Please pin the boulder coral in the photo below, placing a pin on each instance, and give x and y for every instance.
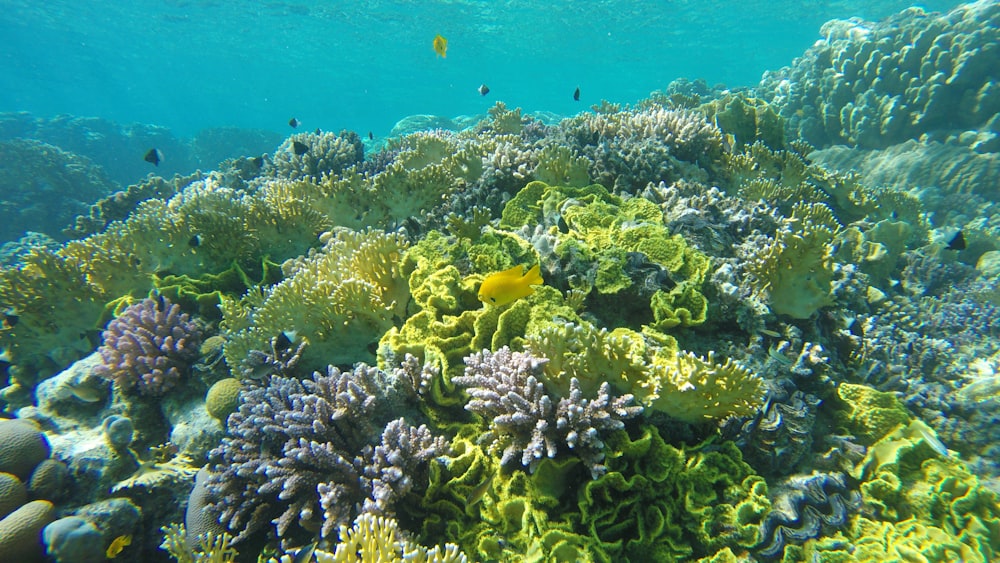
(872, 85)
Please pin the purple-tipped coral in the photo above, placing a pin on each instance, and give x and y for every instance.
(317, 449)
(149, 347)
(526, 423)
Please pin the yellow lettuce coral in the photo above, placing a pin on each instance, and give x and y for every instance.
(649, 366)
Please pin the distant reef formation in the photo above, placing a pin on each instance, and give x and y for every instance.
(873, 85)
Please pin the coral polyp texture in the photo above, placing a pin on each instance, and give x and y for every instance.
(313, 452)
(149, 347)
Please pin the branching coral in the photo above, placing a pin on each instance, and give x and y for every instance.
(527, 422)
(149, 347)
(323, 154)
(315, 451)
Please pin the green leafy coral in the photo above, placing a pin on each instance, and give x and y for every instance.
(600, 238)
(659, 502)
(648, 365)
(339, 300)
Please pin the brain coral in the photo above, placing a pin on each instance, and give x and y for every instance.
(22, 447)
(873, 85)
(148, 348)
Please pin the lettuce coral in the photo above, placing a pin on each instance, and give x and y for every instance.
(648, 365)
(662, 503)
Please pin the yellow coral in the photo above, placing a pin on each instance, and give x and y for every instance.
(376, 539)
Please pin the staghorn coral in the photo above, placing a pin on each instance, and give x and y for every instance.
(339, 301)
(308, 451)
(206, 548)
(377, 539)
(149, 347)
(804, 507)
(527, 422)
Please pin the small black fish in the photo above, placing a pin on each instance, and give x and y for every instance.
(318, 132)
(195, 241)
(10, 319)
(161, 303)
(957, 242)
(483, 89)
(258, 161)
(153, 156)
(299, 148)
(305, 554)
(293, 123)
(371, 137)
(576, 94)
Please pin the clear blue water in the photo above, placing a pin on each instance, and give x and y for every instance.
(189, 65)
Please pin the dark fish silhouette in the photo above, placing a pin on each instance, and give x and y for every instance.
(195, 241)
(257, 161)
(957, 242)
(299, 148)
(483, 89)
(10, 320)
(370, 136)
(161, 303)
(318, 132)
(576, 94)
(153, 156)
(293, 123)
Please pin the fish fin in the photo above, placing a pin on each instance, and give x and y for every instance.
(534, 275)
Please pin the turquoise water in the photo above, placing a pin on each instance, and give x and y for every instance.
(738, 303)
(189, 65)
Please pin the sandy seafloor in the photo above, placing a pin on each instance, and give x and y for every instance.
(715, 323)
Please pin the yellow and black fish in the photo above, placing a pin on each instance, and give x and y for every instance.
(441, 46)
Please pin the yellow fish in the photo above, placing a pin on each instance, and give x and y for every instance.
(117, 545)
(500, 288)
(440, 46)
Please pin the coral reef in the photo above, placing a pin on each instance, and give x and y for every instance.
(149, 347)
(876, 84)
(314, 451)
(339, 301)
(527, 423)
(804, 507)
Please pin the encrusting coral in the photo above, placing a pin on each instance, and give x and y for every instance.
(526, 422)
(149, 347)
